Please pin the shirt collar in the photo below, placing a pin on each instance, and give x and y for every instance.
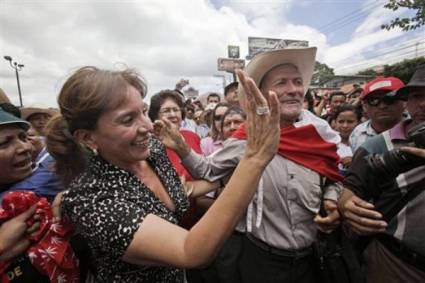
(368, 128)
(398, 132)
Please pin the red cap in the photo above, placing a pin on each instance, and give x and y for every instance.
(389, 84)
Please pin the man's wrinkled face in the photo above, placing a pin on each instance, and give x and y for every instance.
(416, 104)
(287, 82)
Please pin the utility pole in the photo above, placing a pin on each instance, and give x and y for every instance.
(15, 65)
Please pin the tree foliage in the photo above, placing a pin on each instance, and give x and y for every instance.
(406, 24)
(322, 73)
(403, 70)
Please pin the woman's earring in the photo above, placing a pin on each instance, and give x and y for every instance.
(94, 151)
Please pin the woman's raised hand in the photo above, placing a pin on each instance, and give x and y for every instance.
(262, 123)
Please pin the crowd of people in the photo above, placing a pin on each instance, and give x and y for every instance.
(267, 182)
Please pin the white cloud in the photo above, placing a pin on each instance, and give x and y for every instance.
(164, 40)
(365, 49)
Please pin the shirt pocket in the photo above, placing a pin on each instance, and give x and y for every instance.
(304, 193)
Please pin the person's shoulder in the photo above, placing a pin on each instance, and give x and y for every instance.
(361, 127)
(234, 142)
(308, 117)
(375, 144)
(189, 135)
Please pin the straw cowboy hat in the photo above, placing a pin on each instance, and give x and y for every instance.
(302, 58)
(28, 111)
(3, 97)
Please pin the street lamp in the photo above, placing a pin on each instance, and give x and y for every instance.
(15, 65)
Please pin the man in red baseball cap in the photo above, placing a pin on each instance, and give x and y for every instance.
(382, 105)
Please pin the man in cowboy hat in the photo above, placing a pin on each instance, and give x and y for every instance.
(38, 117)
(280, 225)
(394, 216)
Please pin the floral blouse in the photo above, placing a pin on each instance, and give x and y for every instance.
(107, 205)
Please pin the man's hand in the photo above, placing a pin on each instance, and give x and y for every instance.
(18, 248)
(171, 137)
(346, 161)
(414, 150)
(360, 215)
(331, 221)
(181, 84)
(12, 233)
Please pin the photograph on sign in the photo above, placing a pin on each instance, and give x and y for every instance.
(229, 65)
(233, 51)
(261, 44)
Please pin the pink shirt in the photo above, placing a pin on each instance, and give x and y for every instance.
(209, 146)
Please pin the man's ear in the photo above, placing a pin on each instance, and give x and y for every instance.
(86, 138)
(364, 105)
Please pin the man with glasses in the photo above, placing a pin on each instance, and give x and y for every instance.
(383, 107)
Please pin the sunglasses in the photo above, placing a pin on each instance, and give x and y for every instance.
(375, 101)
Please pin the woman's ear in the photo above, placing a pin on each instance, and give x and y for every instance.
(86, 138)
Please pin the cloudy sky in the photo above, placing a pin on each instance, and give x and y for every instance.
(169, 39)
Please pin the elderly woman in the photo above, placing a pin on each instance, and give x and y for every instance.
(168, 104)
(126, 198)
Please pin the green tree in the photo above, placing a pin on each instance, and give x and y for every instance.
(368, 72)
(407, 23)
(402, 70)
(322, 73)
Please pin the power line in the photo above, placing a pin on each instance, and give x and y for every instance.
(417, 53)
(389, 49)
(391, 58)
(348, 20)
(381, 55)
(347, 16)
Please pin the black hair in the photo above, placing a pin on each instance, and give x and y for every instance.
(158, 99)
(336, 93)
(347, 107)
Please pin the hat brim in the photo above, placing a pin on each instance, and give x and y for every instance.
(405, 90)
(27, 112)
(302, 58)
(9, 119)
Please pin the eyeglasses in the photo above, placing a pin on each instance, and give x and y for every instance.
(375, 101)
(169, 110)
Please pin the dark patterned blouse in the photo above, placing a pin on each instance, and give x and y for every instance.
(107, 205)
